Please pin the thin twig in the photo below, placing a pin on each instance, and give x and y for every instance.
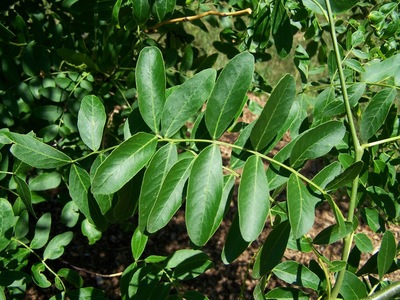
(91, 272)
(199, 16)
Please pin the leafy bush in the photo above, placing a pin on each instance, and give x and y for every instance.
(116, 106)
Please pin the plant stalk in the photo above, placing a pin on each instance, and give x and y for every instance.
(348, 240)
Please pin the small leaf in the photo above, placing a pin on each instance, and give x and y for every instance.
(138, 243)
(274, 113)
(91, 121)
(141, 10)
(363, 242)
(169, 198)
(35, 153)
(71, 276)
(7, 223)
(164, 8)
(253, 199)
(294, 273)
(90, 231)
(332, 234)
(55, 248)
(272, 251)
(285, 294)
(376, 112)
(123, 163)
(228, 95)
(386, 254)
(376, 71)
(204, 194)
(327, 174)
(38, 277)
(45, 181)
(301, 206)
(346, 177)
(85, 293)
(186, 100)
(352, 287)
(189, 264)
(316, 142)
(42, 232)
(150, 84)
(154, 176)
(25, 194)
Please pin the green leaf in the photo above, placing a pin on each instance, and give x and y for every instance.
(45, 181)
(71, 276)
(332, 234)
(38, 277)
(91, 121)
(141, 10)
(153, 179)
(376, 71)
(123, 163)
(90, 231)
(35, 153)
(22, 225)
(25, 194)
(229, 182)
(352, 287)
(336, 5)
(55, 248)
(229, 93)
(234, 243)
(316, 142)
(192, 263)
(169, 199)
(70, 214)
(327, 174)
(79, 183)
(186, 100)
(253, 199)
(42, 232)
(272, 251)
(138, 243)
(363, 242)
(115, 12)
(301, 206)
(322, 103)
(346, 177)
(274, 113)
(294, 273)
(150, 85)
(85, 293)
(204, 194)
(286, 294)
(7, 223)
(164, 8)
(376, 112)
(386, 254)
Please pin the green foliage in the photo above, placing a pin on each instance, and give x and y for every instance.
(115, 112)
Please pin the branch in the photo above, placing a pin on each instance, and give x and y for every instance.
(199, 16)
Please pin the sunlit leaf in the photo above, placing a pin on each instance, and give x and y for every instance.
(294, 273)
(7, 223)
(42, 232)
(55, 247)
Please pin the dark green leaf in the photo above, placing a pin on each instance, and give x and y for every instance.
(332, 234)
(229, 93)
(154, 177)
(294, 273)
(204, 194)
(42, 232)
(86, 293)
(186, 100)
(55, 248)
(363, 242)
(285, 294)
(386, 254)
(301, 206)
(327, 174)
(253, 199)
(25, 194)
(35, 153)
(188, 263)
(274, 114)
(376, 112)
(316, 142)
(346, 177)
(123, 163)
(141, 10)
(164, 8)
(337, 5)
(7, 223)
(352, 287)
(150, 84)
(272, 251)
(38, 277)
(169, 199)
(138, 243)
(229, 181)
(22, 225)
(71, 276)
(91, 121)
(234, 244)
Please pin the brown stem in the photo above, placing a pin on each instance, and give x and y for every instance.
(199, 16)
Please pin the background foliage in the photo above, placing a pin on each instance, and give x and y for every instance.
(104, 122)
